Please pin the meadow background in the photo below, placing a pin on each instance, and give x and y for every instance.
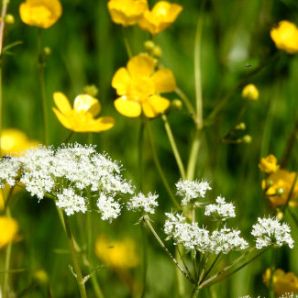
(87, 48)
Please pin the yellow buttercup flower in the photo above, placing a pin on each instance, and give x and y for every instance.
(162, 15)
(277, 188)
(139, 86)
(285, 37)
(81, 118)
(250, 92)
(8, 230)
(15, 142)
(127, 12)
(117, 254)
(40, 13)
(282, 282)
(268, 164)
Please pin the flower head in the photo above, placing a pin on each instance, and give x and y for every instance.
(81, 118)
(282, 282)
(250, 92)
(8, 230)
(285, 37)
(127, 12)
(268, 164)
(221, 209)
(121, 254)
(278, 187)
(15, 142)
(40, 13)
(269, 231)
(139, 86)
(191, 189)
(162, 15)
(144, 203)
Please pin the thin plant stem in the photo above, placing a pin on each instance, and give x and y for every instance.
(1, 106)
(160, 170)
(2, 23)
(42, 86)
(68, 138)
(210, 268)
(228, 270)
(145, 261)
(126, 43)
(75, 260)
(193, 156)
(272, 269)
(174, 146)
(186, 101)
(146, 219)
(7, 264)
(140, 154)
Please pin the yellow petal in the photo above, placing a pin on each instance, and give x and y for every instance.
(164, 81)
(127, 108)
(63, 119)
(121, 81)
(8, 230)
(102, 124)
(40, 13)
(155, 105)
(140, 66)
(62, 102)
(87, 103)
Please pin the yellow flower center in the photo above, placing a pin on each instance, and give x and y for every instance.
(140, 89)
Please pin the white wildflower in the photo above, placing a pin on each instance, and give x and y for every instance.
(9, 169)
(191, 189)
(108, 207)
(188, 234)
(70, 202)
(269, 231)
(221, 209)
(143, 203)
(226, 240)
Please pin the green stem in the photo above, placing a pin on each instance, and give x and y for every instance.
(75, 259)
(272, 269)
(160, 170)
(140, 154)
(126, 43)
(42, 85)
(193, 156)
(1, 106)
(187, 102)
(146, 219)
(7, 264)
(174, 146)
(145, 263)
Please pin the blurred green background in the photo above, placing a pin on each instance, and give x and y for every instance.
(87, 48)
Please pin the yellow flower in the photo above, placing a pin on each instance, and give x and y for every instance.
(268, 164)
(81, 118)
(127, 12)
(117, 254)
(285, 37)
(15, 142)
(250, 92)
(8, 230)
(40, 13)
(277, 188)
(162, 15)
(139, 86)
(282, 282)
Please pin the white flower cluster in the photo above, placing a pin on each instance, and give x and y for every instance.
(221, 209)
(143, 203)
(9, 170)
(192, 237)
(191, 189)
(269, 231)
(73, 174)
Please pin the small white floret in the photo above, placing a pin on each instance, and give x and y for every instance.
(144, 203)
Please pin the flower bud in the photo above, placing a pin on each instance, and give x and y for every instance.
(176, 104)
(250, 92)
(91, 90)
(247, 139)
(9, 19)
(149, 45)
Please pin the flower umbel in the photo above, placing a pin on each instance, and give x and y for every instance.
(221, 209)
(139, 86)
(81, 118)
(285, 37)
(143, 203)
(162, 15)
(269, 231)
(40, 13)
(127, 12)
